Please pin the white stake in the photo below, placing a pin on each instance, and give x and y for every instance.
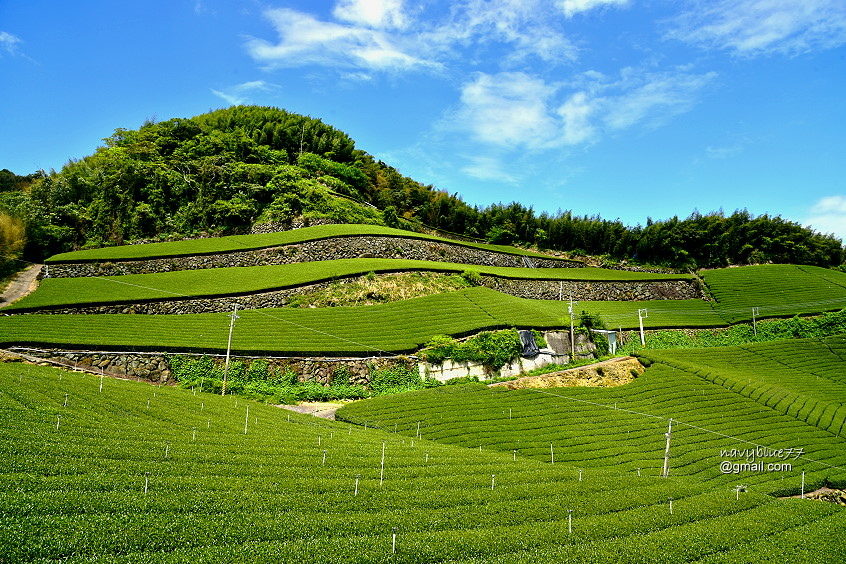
(146, 481)
(167, 448)
(802, 496)
(515, 455)
(671, 506)
(324, 458)
(666, 471)
(570, 521)
(58, 419)
(66, 401)
(194, 434)
(551, 453)
(247, 420)
(580, 474)
(357, 476)
(394, 542)
(382, 466)
(493, 480)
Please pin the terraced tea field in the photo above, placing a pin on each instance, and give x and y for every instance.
(718, 398)
(394, 327)
(215, 245)
(776, 290)
(128, 472)
(131, 288)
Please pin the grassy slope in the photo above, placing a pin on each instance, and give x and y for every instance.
(624, 427)
(395, 327)
(232, 243)
(776, 290)
(55, 292)
(76, 494)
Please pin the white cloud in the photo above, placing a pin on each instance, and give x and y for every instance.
(384, 35)
(305, 40)
(240, 93)
(761, 27)
(518, 110)
(573, 7)
(653, 97)
(485, 167)
(9, 43)
(379, 14)
(509, 109)
(828, 215)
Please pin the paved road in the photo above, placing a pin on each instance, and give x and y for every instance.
(21, 285)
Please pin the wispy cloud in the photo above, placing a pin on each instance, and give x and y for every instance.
(386, 35)
(522, 111)
(573, 7)
(488, 167)
(762, 27)
(240, 93)
(305, 40)
(377, 14)
(9, 43)
(828, 215)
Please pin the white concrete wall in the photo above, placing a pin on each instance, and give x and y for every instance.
(449, 369)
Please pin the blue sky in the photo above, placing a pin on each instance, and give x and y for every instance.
(624, 108)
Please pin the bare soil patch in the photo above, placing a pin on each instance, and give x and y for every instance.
(608, 373)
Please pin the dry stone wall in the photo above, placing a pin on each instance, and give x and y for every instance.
(593, 290)
(155, 367)
(533, 289)
(309, 251)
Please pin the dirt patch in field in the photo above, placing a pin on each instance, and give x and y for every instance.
(614, 372)
(326, 410)
(830, 495)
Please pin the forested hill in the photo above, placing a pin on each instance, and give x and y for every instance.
(226, 170)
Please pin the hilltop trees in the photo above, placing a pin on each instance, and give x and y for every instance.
(224, 171)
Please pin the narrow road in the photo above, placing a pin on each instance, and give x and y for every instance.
(21, 285)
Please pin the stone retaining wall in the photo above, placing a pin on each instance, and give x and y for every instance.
(593, 290)
(155, 367)
(324, 249)
(533, 289)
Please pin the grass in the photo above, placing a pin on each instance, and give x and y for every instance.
(218, 491)
(623, 428)
(776, 290)
(62, 292)
(398, 327)
(232, 243)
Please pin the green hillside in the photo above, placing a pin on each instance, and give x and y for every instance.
(395, 327)
(55, 292)
(135, 473)
(776, 290)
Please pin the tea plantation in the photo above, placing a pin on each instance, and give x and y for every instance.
(214, 245)
(119, 471)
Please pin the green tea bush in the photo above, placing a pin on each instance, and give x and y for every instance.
(492, 348)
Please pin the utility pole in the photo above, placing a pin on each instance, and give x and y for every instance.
(641, 313)
(754, 321)
(232, 319)
(667, 451)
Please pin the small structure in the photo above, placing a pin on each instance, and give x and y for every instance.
(612, 339)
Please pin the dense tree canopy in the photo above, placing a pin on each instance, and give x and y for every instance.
(226, 170)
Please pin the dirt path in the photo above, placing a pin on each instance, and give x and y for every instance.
(21, 285)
